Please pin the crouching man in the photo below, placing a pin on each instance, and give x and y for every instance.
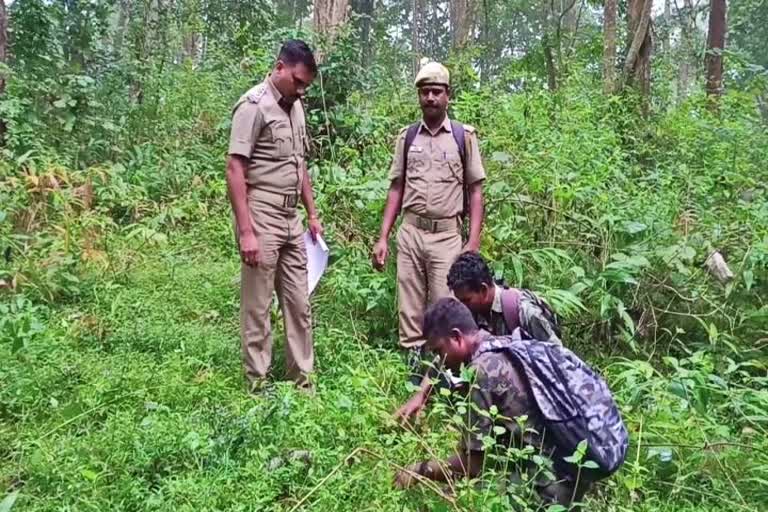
(565, 406)
(495, 308)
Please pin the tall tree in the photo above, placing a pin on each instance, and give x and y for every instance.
(328, 18)
(417, 13)
(547, 43)
(637, 66)
(609, 46)
(715, 46)
(667, 41)
(3, 58)
(462, 14)
(687, 30)
(365, 10)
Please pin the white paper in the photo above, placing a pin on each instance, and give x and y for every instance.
(317, 259)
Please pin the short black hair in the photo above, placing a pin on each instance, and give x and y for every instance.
(470, 272)
(445, 315)
(296, 51)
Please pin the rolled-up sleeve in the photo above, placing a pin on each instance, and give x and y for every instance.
(475, 171)
(247, 122)
(396, 170)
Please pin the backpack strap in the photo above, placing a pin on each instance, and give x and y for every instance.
(410, 135)
(458, 132)
(510, 307)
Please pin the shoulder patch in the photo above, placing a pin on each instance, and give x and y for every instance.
(255, 94)
(469, 128)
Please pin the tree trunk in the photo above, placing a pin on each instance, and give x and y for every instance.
(417, 8)
(485, 34)
(637, 66)
(550, 63)
(366, 9)
(715, 46)
(123, 15)
(3, 59)
(328, 17)
(609, 46)
(462, 13)
(550, 31)
(190, 44)
(666, 42)
(686, 37)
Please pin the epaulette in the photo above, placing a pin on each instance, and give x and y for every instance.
(255, 94)
(469, 128)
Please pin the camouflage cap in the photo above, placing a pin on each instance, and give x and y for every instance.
(441, 319)
(433, 73)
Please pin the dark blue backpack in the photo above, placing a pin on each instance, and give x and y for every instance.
(575, 402)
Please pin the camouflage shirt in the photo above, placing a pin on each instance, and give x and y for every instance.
(498, 383)
(534, 323)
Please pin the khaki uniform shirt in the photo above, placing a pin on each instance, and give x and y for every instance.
(434, 179)
(274, 141)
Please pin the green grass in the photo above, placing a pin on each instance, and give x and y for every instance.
(133, 399)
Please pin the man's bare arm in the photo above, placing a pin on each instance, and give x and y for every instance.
(476, 212)
(391, 211)
(464, 463)
(238, 196)
(308, 199)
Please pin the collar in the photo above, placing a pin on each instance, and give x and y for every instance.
(484, 336)
(278, 97)
(445, 125)
(273, 89)
(496, 306)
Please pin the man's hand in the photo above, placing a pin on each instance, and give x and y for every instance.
(315, 228)
(379, 255)
(471, 247)
(405, 478)
(412, 408)
(249, 248)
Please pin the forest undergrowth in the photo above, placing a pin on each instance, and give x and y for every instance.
(120, 382)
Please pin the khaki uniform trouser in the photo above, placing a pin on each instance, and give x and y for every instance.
(423, 261)
(282, 267)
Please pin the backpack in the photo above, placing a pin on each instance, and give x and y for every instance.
(457, 130)
(575, 404)
(530, 314)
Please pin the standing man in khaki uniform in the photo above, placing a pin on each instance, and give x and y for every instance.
(430, 176)
(266, 176)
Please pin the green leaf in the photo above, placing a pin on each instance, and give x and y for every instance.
(499, 430)
(7, 503)
(749, 279)
(632, 227)
(500, 156)
(90, 475)
(590, 464)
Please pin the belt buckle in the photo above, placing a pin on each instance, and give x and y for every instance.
(426, 224)
(290, 200)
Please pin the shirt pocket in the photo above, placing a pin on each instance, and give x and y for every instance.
(417, 161)
(451, 169)
(282, 139)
